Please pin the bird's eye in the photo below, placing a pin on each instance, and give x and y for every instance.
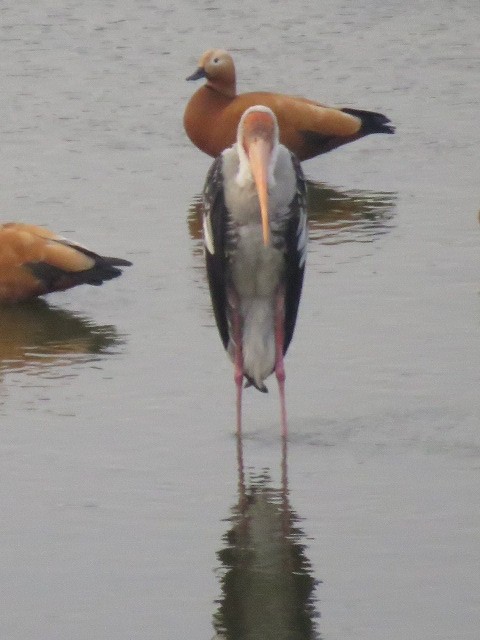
(216, 60)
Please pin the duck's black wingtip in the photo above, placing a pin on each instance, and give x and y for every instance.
(372, 121)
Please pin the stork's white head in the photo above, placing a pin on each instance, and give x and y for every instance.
(257, 146)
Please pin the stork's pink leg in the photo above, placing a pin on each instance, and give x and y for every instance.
(238, 376)
(279, 366)
(237, 359)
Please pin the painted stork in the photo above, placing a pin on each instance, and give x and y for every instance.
(255, 237)
(35, 261)
(307, 128)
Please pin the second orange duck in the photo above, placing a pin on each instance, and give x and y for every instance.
(307, 128)
(35, 261)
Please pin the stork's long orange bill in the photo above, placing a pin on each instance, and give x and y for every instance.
(259, 154)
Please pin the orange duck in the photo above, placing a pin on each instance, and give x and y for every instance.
(35, 261)
(307, 128)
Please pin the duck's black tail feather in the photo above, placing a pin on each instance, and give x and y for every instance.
(372, 122)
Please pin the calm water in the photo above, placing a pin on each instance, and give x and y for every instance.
(129, 510)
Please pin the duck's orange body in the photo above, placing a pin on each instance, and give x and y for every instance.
(35, 261)
(307, 128)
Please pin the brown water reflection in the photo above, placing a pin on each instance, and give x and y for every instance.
(267, 583)
(36, 336)
(335, 215)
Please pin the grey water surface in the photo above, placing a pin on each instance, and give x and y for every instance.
(128, 508)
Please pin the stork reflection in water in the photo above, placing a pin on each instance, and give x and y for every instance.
(267, 584)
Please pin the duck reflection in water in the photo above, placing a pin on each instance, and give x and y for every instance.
(267, 584)
(335, 215)
(36, 336)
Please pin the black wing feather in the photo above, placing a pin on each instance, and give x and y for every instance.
(296, 236)
(215, 216)
(55, 278)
